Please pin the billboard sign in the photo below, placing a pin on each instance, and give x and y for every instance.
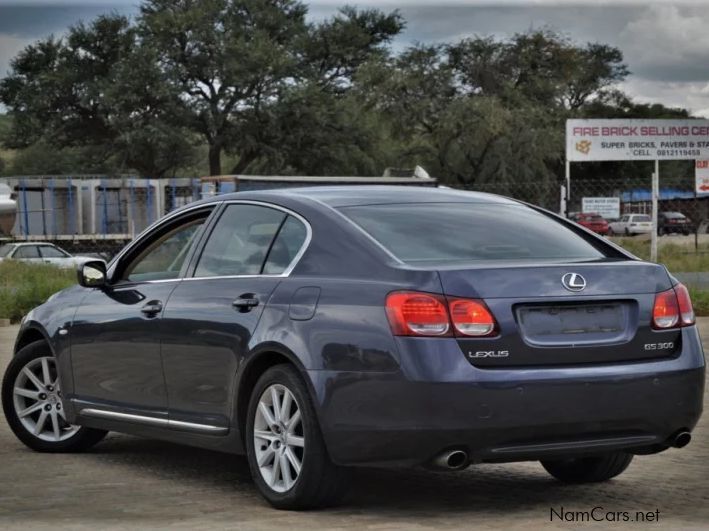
(620, 139)
(701, 173)
(607, 207)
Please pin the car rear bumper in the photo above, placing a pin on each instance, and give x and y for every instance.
(437, 401)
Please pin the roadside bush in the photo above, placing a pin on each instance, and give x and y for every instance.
(23, 286)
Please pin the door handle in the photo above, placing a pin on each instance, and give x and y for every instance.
(152, 308)
(245, 302)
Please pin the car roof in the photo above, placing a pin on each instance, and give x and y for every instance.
(342, 196)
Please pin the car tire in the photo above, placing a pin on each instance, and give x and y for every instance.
(592, 469)
(33, 404)
(306, 477)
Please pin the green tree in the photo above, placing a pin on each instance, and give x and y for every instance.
(489, 111)
(235, 63)
(96, 88)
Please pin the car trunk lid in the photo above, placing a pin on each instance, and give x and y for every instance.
(561, 314)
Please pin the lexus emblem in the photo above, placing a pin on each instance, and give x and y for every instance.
(573, 282)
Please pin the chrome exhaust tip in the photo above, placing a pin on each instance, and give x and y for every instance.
(680, 439)
(452, 460)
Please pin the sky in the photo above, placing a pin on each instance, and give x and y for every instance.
(665, 44)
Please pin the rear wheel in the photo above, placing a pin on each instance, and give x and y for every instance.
(32, 403)
(285, 448)
(588, 469)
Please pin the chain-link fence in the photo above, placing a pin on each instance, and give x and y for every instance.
(621, 197)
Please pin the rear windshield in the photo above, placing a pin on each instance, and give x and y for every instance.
(641, 218)
(5, 249)
(464, 232)
(673, 215)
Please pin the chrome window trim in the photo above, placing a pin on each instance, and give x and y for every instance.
(294, 262)
(153, 421)
(286, 272)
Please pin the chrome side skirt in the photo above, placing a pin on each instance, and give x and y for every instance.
(153, 421)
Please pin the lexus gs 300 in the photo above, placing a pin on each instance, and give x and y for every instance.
(318, 329)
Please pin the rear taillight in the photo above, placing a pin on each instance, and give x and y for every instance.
(471, 318)
(686, 312)
(417, 314)
(424, 314)
(665, 313)
(673, 308)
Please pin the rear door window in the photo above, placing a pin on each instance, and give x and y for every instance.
(52, 252)
(27, 251)
(464, 232)
(240, 241)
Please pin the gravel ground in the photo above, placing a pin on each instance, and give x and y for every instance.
(131, 483)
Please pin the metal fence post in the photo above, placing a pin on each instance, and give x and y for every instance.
(53, 205)
(131, 206)
(148, 200)
(104, 217)
(173, 194)
(70, 206)
(25, 208)
(655, 197)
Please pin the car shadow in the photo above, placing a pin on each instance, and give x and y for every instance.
(497, 489)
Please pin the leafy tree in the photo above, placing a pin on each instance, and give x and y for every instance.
(542, 67)
(489, 111)
(235, 62)
(96, 88)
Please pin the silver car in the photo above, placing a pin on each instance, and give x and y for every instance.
(40, 253)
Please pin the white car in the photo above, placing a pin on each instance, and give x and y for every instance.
(631, 224)
(40, 253)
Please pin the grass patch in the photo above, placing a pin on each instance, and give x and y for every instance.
(677, 257)
(24, 286)
(700, 301)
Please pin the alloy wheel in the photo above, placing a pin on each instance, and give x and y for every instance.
(278, 438)
(37, 400)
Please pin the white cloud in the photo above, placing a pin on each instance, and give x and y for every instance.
(691, 95)
(10, 45)
(668, 42)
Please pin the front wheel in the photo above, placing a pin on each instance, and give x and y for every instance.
(588, 469)
(285, 448)
(32, 403)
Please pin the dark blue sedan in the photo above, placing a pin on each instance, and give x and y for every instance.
(318, 329)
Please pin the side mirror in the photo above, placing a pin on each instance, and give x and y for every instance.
(92, 274)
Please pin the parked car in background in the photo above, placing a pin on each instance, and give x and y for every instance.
(40, 253)
(241, 323)
(674, 222)
(631, 225)
(592, 221)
